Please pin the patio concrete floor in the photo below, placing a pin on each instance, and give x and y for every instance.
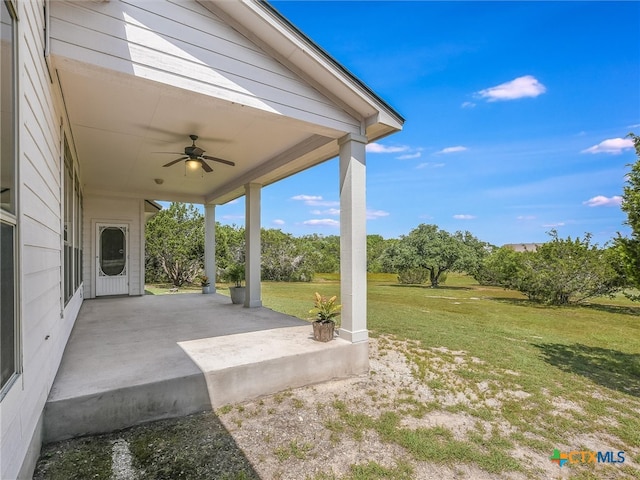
(131, 360)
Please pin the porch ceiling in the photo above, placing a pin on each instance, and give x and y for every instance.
(119, 121)
(137, 79)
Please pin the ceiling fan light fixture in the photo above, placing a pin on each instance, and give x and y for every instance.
(195, 158)
(193, 164)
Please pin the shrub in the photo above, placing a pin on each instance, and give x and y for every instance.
(413, 276)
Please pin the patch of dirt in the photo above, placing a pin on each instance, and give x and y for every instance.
(563, 406)
(459, 424)
(271, 430)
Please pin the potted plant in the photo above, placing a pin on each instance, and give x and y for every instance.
(325, 310)
(206, 285)
(235, 274)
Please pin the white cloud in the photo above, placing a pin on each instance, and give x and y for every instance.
(553, 225)
(410, 156)
(602, 201)
(468, 105)
(315, 201)
(447, 150)
(233, 217)
(329, 211)
(521, 87)
(430, 165)
(322, 203)
(307, 198)
(614, 146)
(277, 221)
(634, 126)
(374, 214)
(526, 217)
(371, 215)
(322, 222)
(464, 217)
(379, 148)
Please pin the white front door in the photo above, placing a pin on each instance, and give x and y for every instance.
(112, 259)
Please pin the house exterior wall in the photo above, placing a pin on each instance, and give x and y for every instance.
(45, 322)
(114, 210)
(182, 44)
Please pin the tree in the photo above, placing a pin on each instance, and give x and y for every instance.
(629, 247)
(503, 267)
(326, 258)
(175, 242)
(375, 247)
(285, 258)
(559, 272)
(434, 250)
(229, 246)
(327, 252)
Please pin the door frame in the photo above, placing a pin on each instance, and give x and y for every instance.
(127, 230)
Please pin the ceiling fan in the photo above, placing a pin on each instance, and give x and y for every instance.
(195, 157)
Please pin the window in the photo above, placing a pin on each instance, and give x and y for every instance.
(8, 324)
(77, 237)
(7, 101)
(8, 197)
(72, 231)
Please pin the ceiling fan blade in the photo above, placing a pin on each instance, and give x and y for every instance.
(175, 161)
(214, 159)
(205, 167)
(172, 153)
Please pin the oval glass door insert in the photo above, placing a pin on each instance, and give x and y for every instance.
(113, 252)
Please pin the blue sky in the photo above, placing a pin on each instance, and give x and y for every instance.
(516, 117)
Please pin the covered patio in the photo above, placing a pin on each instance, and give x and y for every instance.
(139, 85)
(136, 359)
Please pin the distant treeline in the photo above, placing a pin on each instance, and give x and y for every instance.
(560, 271)
(175, 249)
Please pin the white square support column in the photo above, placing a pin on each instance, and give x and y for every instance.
(253, 296)
(210, 244)
(353, 238)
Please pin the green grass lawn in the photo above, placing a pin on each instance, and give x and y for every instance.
(563, 375)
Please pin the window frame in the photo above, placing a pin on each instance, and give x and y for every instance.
(11, 217)
(71, 277)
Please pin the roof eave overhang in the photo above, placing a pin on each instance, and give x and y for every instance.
(263, 24)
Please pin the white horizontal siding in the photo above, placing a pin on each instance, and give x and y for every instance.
(41, 182)
(44, 215)
(10, 429)
(184, 45)
(42, 322)
(40, 245)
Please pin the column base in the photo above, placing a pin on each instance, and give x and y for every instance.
(354, 337)
(253, 304)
